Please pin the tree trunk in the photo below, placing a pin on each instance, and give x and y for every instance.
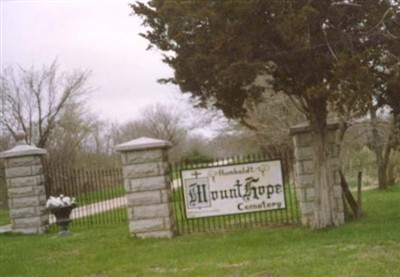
(324, 204)
(382, 176)
(382, 152)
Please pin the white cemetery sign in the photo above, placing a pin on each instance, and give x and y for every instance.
(233, 189)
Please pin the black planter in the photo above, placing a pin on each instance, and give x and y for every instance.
(63, 219)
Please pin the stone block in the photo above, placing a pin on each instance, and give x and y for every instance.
(42, 211)
(146, 225)
(332, 136)
(31, 230)
(303, 139)
(26, 181)
(169, 223)
(307, 167)
(335, 177)
(307, 208)
(31, 222)
(304, 153)
(298, 169)
(152, 211)
(150, 183)
(130, 213)
(143, 156)
(339, 205)
(26, 191)
(23, 212)
(25, 202)
(305, 180)
(145, 170)
(22, 171)
(301, 194)
(334, 164)
(157, 234)
(23, 161)
(307, 220)
(143, 198)
(127, 186)
(27, 231)
(37, 169)
(310, 194)
(165, 196)
(337, 191)
(341, 218)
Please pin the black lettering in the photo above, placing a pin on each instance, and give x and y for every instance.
(192, 195)
(224, 194)
(261, 190)
(270, 191)
(232, 193)
(238, 185)
(214, 195)
(199, 194)
(254, 189)
(204, 193)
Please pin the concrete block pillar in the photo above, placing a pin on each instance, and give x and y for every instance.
(304, 174)
(147, 187)
(25, 187)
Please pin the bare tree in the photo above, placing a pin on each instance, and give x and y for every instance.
(33, 99)
(156, 121)
(272, 118)
(68, 139)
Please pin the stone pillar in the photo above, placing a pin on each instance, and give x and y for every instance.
(25, 187)
(304, 174)
(147, 187)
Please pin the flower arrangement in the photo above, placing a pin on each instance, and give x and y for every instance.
(61, 207)
(60, 202)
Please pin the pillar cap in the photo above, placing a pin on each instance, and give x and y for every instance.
(305, 127)
(142, 144)
(22, 148)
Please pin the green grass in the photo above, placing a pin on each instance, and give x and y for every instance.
(367, 247)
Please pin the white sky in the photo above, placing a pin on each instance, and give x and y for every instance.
(100, 36)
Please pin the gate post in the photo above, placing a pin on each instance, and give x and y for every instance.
(25, 187)
(147, 187)
(304, 170)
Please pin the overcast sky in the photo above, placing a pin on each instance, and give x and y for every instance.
(100, 36)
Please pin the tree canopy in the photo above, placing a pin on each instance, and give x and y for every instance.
(319, 53)
(316, 51)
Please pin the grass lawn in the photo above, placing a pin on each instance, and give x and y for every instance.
(367, 247)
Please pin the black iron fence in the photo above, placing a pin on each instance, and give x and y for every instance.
(99, 193)
(288, 215)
